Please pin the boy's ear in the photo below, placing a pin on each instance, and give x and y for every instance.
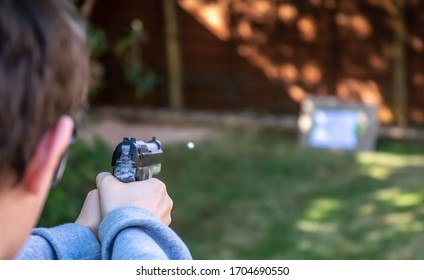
(48, 152)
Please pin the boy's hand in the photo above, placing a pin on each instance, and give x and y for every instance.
(90, 213)
(149, 194)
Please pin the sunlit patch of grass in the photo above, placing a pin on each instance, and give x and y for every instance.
(315, 226)
(380, 165)
(321, 208)
(408, 199)
(399, 218)
(389, 160)
(367, 209)
(387, 194)
(378, 172)
(395, 197)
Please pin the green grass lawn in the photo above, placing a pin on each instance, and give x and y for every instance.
(247, 195)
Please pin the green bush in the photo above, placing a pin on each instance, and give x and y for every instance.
(84, 163)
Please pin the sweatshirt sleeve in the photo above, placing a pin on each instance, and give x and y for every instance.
(64, 242)
(135, 233)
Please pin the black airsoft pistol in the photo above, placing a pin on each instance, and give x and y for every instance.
(135, 160)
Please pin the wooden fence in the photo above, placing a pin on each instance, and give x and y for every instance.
(265, 56)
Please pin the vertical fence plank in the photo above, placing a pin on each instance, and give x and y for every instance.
(173, 54)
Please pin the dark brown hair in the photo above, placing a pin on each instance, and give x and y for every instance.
(44, 74)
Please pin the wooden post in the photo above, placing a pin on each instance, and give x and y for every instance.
(173, 54)
(87, 8)
(399, 86)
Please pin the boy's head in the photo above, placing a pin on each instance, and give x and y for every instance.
(43, 74)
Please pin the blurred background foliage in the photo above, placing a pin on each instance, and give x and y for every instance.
(128, 51)
(85, 161)
(98, 44)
